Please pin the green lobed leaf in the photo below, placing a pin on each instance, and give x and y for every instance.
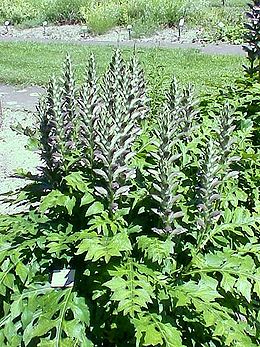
(76, 181)
(150, 329)
(95, 208)
(56, 198)
(97, 246)
(131, 289)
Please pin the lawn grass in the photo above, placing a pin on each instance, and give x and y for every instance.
(229, 3)
(27, 63)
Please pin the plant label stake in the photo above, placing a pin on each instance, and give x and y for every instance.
(84, 32)
(7, 23)
(1, 114)
(129, 28)
(222, 27)
(180, 27)
(118, 39)
(62, 278)
(44, 24)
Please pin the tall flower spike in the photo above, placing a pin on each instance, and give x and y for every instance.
(208, 190)
(139, 100)
(189, 112)
(69, 105)
(89, 104)
(113, 83)
(50, 114)
(252, 39)
(225, 130)
(116, 71)
(182, 103)
(116, 130)
(215, 168)
(166, 176)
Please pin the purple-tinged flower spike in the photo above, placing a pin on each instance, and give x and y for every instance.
(252, 40)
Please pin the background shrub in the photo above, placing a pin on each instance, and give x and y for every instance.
(63, 11)
(144, 16)
(18, 11)
(102, 16)
(220, 23)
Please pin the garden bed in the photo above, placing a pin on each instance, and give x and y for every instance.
(81, 33)
(219, 23)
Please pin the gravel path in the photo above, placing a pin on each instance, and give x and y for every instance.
(17, 107)
(14, 154)
(167, 38)
(17, 98)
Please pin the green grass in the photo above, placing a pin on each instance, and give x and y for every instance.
(229, 3)
(33, 63)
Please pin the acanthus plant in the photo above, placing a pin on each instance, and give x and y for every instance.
(252, 40)
(163, 256)
(244, 96)
(172, 130)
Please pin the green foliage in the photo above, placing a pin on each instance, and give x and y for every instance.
(62, 11)
(224, 24)
(147, 16)
(244, 96)
(101, 16)
(35, 11)
(153, 332)
(155, 206)
(18, 11)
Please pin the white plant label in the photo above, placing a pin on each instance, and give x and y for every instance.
(62, 278)
(181, 22)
